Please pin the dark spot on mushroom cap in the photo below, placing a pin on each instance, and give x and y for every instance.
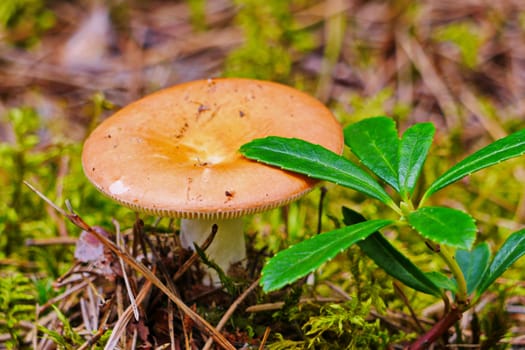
(203, 108)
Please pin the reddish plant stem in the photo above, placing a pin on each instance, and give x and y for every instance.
(437, 330)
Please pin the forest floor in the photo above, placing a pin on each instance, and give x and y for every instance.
(457, 64)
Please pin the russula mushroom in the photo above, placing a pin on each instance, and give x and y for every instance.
(174, 153)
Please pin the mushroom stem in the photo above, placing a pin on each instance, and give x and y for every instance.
(228, 246)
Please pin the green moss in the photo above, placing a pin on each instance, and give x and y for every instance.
(17, 303)
(466, 37)
(197, 14)
(52, 166)
(341, 326)
(270, 41)
(25, 20)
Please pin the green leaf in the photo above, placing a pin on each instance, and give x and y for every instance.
(396, 264)
(413, 150)
(391, 260)
(375, 142)
(443, 281)
(297, 261)
(444, 226)
(510, 251)
(508, 147)
(315, 161)
(473, 264)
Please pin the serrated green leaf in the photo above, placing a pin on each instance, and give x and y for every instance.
(413, 150)
(511, 250)
(473, 264)
(315, 161)
(375, 142)
(444, 226)
(297, 261)
(508, 147)
(391, 260)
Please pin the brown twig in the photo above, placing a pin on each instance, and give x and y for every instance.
(401, 294)
(195, 256)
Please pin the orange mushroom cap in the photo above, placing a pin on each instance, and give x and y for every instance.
(175, 152)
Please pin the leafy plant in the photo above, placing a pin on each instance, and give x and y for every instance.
(17, 303)
(68, 338)
(396, 161)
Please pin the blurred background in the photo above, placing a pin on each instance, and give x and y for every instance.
(67, 65)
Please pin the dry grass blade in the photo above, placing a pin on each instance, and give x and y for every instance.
(125, 275)
(430, 77)
(120, 326)
(139, 267)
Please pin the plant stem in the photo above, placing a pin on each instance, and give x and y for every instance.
(437, 330)
(461, 295)
(395, 208)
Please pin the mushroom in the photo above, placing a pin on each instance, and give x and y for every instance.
(174, 153)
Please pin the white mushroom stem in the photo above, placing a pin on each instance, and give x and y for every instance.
(228, 246)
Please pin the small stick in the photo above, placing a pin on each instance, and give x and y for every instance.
(399, 291)
(62, 240)
(195, 256)
(65, 294)
(170, 325)
(265, 338)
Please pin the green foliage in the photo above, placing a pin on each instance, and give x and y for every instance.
(376, 144)
(317, 250)
(511, 250)
(68, 338)
(498, 151)
(24, 20)
(314, 161)
(17, 303)
(434, 223)
(266, 54)
(378, 152)
(474, 263)
(379, 249)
